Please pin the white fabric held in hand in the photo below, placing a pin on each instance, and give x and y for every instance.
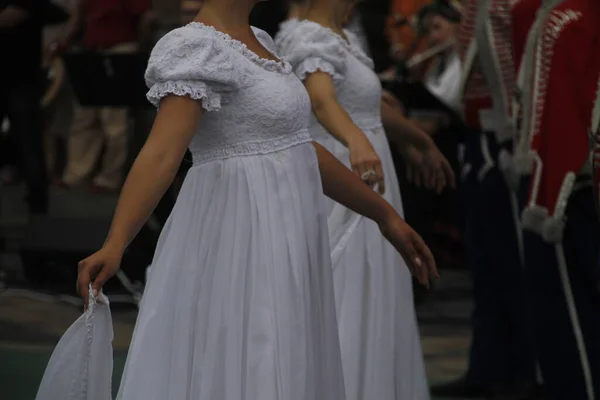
(81, 365)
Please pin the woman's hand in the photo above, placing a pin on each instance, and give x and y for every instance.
(341, 185)
(365, 162)
(411, 246)
(413, 161)
(97, 269)
(388, 98)
(428, 168)
(438, 173)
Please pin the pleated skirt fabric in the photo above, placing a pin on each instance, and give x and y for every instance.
(379, 336)
(240, 302)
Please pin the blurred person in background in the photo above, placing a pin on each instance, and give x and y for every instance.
(437, 216)
(502, 358)
(111, 26)
(402, 32)
(440, 22)
(350, 119)
(58, 105)
(21, 89)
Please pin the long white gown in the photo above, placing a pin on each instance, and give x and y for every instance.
(240, 303)
(381, 351)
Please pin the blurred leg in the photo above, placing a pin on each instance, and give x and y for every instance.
(84, 145)
(115, 125)
(58, 120)
(25, 115)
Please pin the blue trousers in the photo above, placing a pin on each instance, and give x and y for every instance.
(502, 351)
(555, 342)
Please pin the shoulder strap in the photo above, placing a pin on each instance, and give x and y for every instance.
(467, 67)
(493, 74)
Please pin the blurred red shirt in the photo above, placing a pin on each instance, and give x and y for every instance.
(112, 22)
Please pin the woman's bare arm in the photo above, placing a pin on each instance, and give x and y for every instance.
(327, 109)
(338, 123)
(433, 168)
(429, 126)
(151, 174)
(155, 167)
(341, 185)
(402, 130)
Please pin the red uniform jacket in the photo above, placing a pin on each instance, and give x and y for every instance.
(566, 76)
(112, 22)
(477, 93)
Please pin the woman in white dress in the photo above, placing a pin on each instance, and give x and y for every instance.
(380, 343)
(240, 301)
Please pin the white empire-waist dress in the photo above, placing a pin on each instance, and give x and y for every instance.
(380, 343)
(240, 302)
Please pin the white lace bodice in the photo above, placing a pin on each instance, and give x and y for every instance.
(310, 47)
(254, 105)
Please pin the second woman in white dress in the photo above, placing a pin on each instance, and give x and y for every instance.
(380, 342)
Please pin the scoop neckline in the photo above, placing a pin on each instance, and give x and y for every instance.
(352, 47)
(344, 38)
(279, 64)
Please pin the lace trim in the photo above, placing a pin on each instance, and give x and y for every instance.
(314, 64)
(79, 390)
(252, 148)
(196, 90)
(281, 66)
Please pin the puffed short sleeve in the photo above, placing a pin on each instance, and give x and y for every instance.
(193, 62)
(309, 48)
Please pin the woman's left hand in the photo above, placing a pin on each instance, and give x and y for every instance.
(411, 247)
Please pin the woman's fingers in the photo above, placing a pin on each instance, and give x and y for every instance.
(425, 255)
(84, 279)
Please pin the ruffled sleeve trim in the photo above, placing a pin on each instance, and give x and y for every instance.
(315, 64)
(211, 100)
(186, 62)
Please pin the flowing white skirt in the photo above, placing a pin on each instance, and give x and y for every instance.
(240, 301)
(379, 337)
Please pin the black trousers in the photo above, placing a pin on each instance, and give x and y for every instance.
(502, 352)
(20, 103)
(555, 340)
